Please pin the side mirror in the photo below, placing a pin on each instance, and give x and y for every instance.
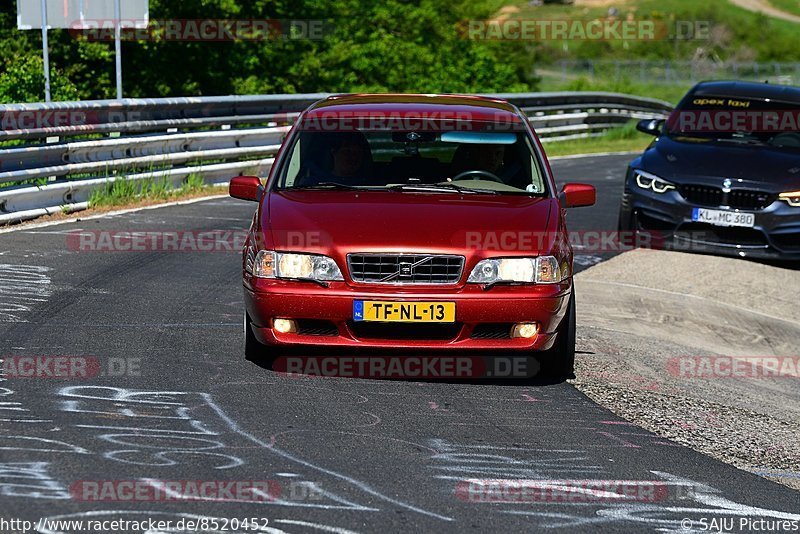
(246, 188)
(577, 195)
(650, 126)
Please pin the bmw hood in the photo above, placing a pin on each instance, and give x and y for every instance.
(709, 162)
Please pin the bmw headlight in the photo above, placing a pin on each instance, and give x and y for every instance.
(271, 264)
(792, 198)
(645, 180)
(541, 270)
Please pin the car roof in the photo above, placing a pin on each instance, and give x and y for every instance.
(478, 108)
(752, 90)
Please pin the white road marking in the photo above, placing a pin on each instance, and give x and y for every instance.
(28, 227)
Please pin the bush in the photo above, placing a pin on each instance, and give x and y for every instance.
(23, 81)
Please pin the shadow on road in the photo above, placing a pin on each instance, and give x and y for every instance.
(508, 368)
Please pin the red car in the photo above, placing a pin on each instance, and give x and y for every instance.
(414, 222)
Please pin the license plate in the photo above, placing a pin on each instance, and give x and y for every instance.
(723, 218)
(404, 312)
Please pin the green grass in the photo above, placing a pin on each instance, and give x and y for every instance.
(669, 93)
(124, 191)
(623, 139)
(736, 34)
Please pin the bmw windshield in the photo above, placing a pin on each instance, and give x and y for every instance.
(737, 120)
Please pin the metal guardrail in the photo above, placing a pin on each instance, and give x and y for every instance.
(53, 156)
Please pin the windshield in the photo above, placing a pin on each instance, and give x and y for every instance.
(444, 161)
(737, 120)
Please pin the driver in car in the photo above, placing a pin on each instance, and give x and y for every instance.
(489, 158)
(349, 158)
(478, 158)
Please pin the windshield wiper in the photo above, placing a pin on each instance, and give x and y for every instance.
(446, 187)
(327, 185)
(740, 140)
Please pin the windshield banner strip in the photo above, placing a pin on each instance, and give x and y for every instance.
(710, 121)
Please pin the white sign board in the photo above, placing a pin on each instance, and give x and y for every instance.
(78, 14)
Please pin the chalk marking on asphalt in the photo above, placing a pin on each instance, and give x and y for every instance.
(26, 420)
(31, 480)
(72, 449)
(21, 285)
(294, 383)
(679, 294)
(706, 501)
(361, 485)
(706, 495)
(168, 398)
(324, 528)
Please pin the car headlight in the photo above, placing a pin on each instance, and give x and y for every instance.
(271, 264)
(792, 198)
(541, 270)
(645, 180)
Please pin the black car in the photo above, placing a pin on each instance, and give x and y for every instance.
(722, 175)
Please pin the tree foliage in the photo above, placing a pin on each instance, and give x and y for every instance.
(391, 45)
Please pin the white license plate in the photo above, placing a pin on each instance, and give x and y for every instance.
(724, 218)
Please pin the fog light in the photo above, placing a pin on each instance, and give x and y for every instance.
(526, 330)
(284, 326)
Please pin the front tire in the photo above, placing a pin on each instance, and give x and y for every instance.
(254, 350)
(559, 360)
(627, 221)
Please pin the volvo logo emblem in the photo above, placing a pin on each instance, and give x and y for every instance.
(405, 270)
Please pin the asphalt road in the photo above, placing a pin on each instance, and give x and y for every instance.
(348, 455)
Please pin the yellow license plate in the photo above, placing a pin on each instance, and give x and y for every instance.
(404, 312)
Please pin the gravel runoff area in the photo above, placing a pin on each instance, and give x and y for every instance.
(663, 310)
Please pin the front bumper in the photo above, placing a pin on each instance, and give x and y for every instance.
(667, 218)
(478, 312)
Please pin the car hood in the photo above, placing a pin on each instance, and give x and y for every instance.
(339, 222)
(708, 162)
